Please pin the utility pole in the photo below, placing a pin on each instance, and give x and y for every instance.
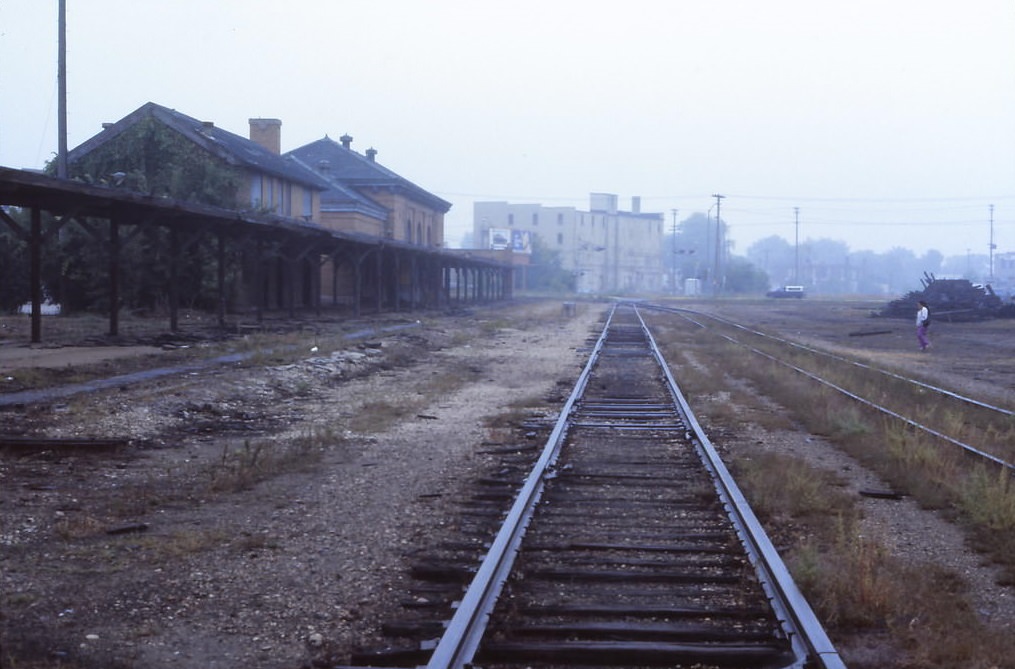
(718, 242)
(796, 247)
(61, 76)
(992, 244)
(673, 262)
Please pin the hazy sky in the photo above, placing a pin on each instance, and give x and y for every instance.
(887, 122)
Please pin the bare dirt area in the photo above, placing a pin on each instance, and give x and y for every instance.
(265, 511)
(263, 515)
(975, 359)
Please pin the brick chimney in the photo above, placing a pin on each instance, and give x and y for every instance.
(267, 132)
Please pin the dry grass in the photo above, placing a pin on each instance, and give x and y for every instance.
(255, 461)
(855, 584)
(376, 416)
(516, 413)
(179, 544)
(782, 486)
(933, 472)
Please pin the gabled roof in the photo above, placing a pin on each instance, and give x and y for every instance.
(231, 148)
(340, 198)
(347, 170)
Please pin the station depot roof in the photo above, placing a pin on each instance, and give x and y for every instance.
(64, 197)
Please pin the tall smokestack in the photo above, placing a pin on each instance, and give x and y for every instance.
(267, 132)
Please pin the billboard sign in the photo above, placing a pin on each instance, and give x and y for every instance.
(521, 241)
(499, 238)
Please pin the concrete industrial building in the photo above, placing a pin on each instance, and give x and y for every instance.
(608, 250)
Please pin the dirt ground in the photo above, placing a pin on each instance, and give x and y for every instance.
(264, 512)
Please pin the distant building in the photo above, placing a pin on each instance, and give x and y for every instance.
(607, 250)
(1003, 281)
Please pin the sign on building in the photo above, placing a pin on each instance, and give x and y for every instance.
(519, 241)
(500, 238)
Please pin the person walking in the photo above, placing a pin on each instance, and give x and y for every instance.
(922, 323)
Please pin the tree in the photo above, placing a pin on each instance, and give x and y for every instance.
(154, 159)
(14, 265)
(744, 277)
(972, 266)
(691, 251)
(545, 272)
(776, 257)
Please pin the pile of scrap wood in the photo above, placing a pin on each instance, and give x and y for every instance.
(949, 300)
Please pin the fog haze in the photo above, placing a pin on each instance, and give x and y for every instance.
(887, 123)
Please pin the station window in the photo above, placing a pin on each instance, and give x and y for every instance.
(287, 199)
(308, 203)
(256, 197)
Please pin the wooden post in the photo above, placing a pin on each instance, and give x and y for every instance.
(114, 276)
(221, 258)
(174, 280)
(36, 275)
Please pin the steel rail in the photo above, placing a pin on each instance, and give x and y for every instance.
(464, 631)
(969, 449)
(463, 635)
(806, 634)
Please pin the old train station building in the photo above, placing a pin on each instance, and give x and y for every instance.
(319, 226)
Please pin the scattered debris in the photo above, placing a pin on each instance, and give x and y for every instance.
(46, 443)
(953, 300)
(881, 494)
(128, 529)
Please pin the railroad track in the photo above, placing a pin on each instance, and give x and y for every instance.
(627, 545)
(982, 421)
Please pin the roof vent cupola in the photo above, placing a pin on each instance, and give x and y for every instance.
(346, 141)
